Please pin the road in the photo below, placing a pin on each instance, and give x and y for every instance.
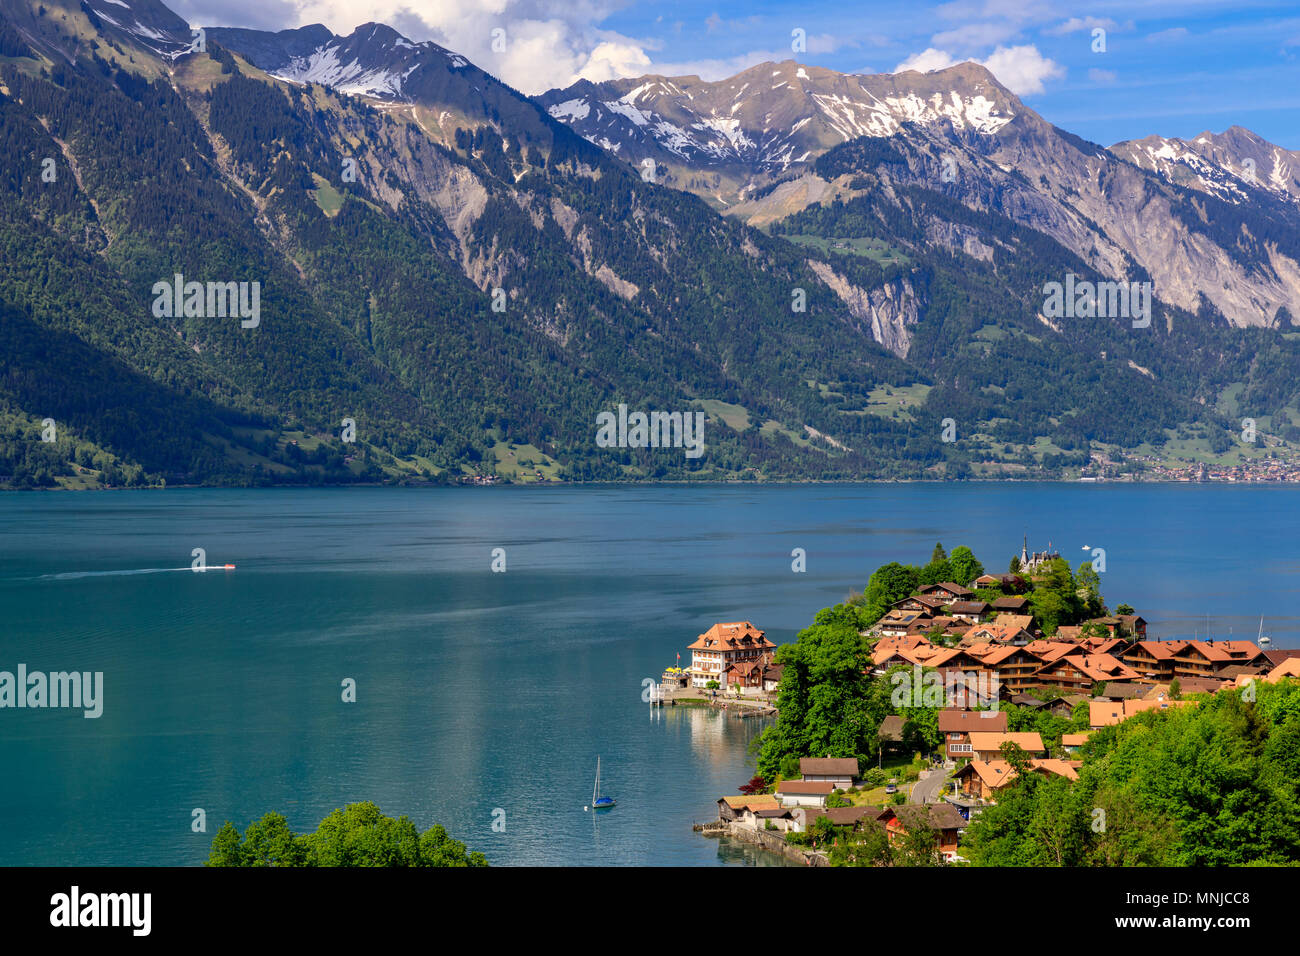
(926, 790)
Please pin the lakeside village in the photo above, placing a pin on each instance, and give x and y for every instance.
(984, 681)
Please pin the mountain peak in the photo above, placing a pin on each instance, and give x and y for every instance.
(775, 114)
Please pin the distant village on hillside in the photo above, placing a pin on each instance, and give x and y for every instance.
(987, 651)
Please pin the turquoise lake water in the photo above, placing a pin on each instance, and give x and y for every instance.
(479, 691)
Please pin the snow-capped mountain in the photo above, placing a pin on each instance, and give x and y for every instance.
(772, 115)
(1228, 165)
(375, 60)
(146, 24)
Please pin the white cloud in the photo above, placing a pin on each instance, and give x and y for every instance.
(612, 61)
(975, 35)
(1021, 69)
(1102, 77)
(1075, 24)
(927, 60)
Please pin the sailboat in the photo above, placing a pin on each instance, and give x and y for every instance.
(1263, 640)
(597, 801)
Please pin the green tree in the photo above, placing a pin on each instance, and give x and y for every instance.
(356, 835)
(888, 584)
(965, 566)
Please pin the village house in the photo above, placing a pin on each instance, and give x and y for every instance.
(921, 603)
(1079, 671)
(1124, 690)
(970, 611)
(839, 772)
(772, 677)
(988, 746)
(803, 793)
(850, 818)
(1013, 667)
(1108, 713)
(724, 644)
(998, 632)
(1048, 651)
(1072, 742)
(1011, 604)
(947, 591)
(1133, 627)
(943, 818)
(897, 623)
(982, 779)
(957, 725)
(732, 809)
(1208, 658)
(1153, 660)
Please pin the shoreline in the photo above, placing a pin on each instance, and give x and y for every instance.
(650, 483)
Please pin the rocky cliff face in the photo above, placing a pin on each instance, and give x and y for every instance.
(886, 312)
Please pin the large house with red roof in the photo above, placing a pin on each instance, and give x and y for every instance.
(730, 653)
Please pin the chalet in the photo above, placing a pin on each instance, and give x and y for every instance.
(1108, 713)
(943, 818)
(848, 817)
(839, 772)
(1080, 670)
(1208, 658)
(1029, 701)
(957, 725)
(896, 623)
(746, 675)
(1123, 690)
(947, 591)
(1133, 626)
(921, 603)
(1205, 685)
(1114, 646)
(1007, 582)
(1105, 713)
(731, 809)
(1072, 742)
(988, 746)
(1069, 632)
(1153, 660)
(803, 793)
(891, 730)
(1011, 604)
(772, 677)
(982, 779)
(1012, 666)
(779, 817)
(1048, 651)
(737, 642)
(1000, 632)
(970, 611)
(1110, 624)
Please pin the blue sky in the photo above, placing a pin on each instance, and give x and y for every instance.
(1172, 68)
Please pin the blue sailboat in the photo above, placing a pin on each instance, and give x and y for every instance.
(597, 801)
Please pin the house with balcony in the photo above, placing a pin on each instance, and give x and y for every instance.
(957, 726)
(725, 644)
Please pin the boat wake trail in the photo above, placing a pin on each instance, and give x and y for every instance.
(74, 575)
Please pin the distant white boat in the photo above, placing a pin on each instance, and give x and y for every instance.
(1263, 640)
